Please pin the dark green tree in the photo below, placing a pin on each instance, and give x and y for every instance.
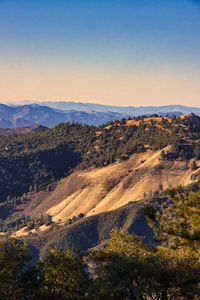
(64, 276)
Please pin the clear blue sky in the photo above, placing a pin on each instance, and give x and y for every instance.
(142, 52)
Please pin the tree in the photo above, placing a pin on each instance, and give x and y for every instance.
(14, 270)
(178, 224)
(48, 220)
(63, 276)
(194, 165)
(127, 269)
(162, 154)
(35, 187)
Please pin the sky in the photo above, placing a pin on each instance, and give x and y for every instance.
(116, 52)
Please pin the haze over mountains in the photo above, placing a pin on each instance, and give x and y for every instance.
(129, 110)
(50, 114)
(26, 115)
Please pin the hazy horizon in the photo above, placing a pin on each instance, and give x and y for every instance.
(122, 53)
(29, 102)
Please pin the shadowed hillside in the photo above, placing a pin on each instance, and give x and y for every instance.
(92, 231)
(21, 130)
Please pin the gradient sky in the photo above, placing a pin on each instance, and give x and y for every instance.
(116, 52)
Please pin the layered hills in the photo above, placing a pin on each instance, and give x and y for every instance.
(50, 114)
(87, 180)
(33, 161)
(129, 110)
(26, 115)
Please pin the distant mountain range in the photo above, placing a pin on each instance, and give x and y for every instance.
(129, 110)
(50, 114)
(26, 115)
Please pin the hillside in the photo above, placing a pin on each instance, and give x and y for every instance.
(103, 189)
(98, 190)
(21, 130)
(74, 172)
(73, 184)
(92, 231)
(32, 162)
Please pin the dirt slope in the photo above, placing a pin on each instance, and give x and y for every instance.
(103, 189)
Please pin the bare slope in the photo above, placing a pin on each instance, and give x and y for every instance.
(103, 189)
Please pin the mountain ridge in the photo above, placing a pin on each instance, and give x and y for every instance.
(27, 115)
(132, 110)
(50, 114)
(21, 129)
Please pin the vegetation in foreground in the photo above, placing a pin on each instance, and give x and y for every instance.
(124, 269)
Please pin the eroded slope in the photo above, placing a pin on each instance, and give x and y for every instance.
(98, 190)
